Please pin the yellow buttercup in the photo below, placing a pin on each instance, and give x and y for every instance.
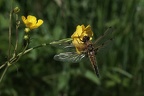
(78, 35)
(31, 22)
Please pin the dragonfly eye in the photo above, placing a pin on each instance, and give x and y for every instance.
(86, 38)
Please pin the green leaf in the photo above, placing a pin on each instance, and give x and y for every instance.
(91, 76)
(123, 72)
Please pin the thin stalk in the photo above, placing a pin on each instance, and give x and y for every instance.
(16, 43)
(17, 57)
(22, 53)
(26, 51)
(10, 25)
(2, 66)
(10, 30)
(1, 78)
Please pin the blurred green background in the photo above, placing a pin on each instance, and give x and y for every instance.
(37, 74)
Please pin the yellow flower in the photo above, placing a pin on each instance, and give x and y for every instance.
(82, 31)
(78, 35)
(32, 22)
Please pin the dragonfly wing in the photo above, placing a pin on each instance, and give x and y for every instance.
(69, 57)
(103, 40)
(64, 43)
(103, 45)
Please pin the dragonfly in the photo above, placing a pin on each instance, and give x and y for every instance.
(90, 50)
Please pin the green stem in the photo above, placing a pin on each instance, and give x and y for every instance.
(16, 43)
(1, 78)
(22, 53)
(17, 57)
(2, 65)
(26, 51)
(9, 50)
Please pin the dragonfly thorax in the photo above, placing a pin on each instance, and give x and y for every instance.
(90, 47)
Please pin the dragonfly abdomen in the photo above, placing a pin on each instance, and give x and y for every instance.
(92, 58)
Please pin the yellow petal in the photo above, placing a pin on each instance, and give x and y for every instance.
(31, 22)
(79, 45)
(39, 23)
(88, 31)
(78, 31)
(24, 19)
(82, 31)
(78, 35)
(78, 51)
(31, 18)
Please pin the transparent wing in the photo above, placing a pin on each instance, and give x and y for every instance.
(103, 45)
(103, 40)
(69, 57)
(63, 43)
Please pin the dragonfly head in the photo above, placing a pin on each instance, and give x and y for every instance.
(85, 39)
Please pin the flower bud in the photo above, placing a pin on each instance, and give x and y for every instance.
(27, 30)
(16, 10)
(26, 40)
(26, 37)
